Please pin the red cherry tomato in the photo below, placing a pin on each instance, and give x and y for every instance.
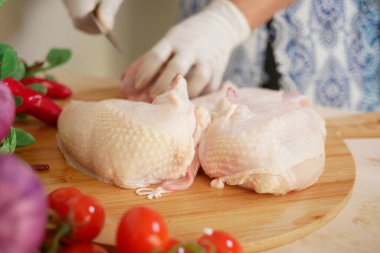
(84, 248)
(85, 217)
(58, 199)
(141, 230)
(222, 241)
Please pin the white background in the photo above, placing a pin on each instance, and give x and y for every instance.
(32, 27)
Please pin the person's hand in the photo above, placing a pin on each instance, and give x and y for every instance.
(105, 10)
(197, 48)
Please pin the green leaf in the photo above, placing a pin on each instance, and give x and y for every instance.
(2, 2)
(50, 77)
(20, 71)
(18, 100)
(58, 56)
(9, 143)
(38, 87)
(21, 116)
(23, 138)
(9, 63)
(4, 47)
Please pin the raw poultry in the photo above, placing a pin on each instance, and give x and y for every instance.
(135, 144)
(270, 142)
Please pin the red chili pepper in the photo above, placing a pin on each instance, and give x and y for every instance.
(34, 103)
(54, 89)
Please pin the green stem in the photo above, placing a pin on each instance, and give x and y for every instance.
(189, 247)
(62, 231)
(51, 226)
(34, 71)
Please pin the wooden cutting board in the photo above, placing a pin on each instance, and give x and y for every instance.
(258, 221)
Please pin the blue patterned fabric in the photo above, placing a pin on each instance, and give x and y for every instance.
(328, 50)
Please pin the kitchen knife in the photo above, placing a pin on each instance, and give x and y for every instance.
(107, 33)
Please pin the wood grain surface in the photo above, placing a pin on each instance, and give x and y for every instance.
(258, 221)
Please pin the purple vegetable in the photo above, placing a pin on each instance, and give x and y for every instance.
(23, 207)
(7, 110)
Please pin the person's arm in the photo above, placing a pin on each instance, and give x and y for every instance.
(257, 12)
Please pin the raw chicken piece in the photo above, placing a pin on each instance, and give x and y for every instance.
(135, 144)
(248, 96)
(270, 142)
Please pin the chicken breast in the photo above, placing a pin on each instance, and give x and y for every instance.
(262, 140)
(135, 144)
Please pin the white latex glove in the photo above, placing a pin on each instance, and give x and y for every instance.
(198, 48)
(79, 11)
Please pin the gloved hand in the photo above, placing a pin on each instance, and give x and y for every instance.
(79, 11)
(198, 48)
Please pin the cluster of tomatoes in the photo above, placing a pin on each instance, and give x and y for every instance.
(76, 219)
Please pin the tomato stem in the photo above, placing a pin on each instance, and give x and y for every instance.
(53, 220)
(51, 226)
(190, 247)
(63, 230)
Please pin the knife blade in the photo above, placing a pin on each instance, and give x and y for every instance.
(107, 33)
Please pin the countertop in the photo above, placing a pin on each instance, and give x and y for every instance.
(357, 227)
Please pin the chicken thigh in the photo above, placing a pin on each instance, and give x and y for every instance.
(270, 142)
(135, 144)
